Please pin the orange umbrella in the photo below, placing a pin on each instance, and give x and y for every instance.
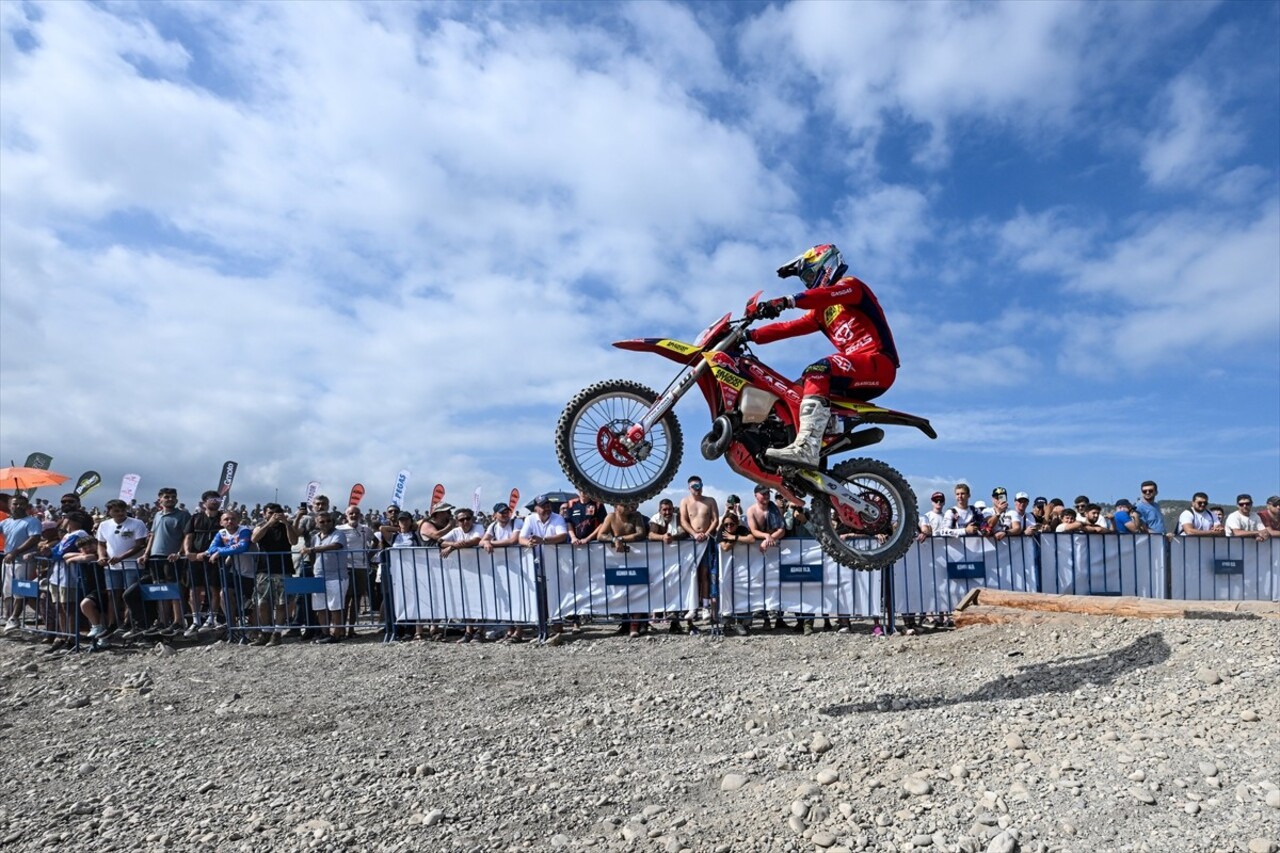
(29, 478)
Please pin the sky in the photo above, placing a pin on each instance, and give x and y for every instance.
(330, 241)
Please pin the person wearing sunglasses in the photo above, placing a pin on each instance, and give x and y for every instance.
(1148, 510)
(1243, 522)
(1198, 521)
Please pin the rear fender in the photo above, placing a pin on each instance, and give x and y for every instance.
(870, 414)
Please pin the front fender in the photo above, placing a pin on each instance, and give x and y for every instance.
(677, 351)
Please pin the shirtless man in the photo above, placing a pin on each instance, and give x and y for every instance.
(700, 518)
(620, 527)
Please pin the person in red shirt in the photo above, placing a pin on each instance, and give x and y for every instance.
(844, 309)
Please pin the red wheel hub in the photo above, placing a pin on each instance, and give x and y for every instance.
(611, 448)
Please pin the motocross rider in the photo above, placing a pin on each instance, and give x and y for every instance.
(847, 312)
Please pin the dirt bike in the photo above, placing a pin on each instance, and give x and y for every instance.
(620, 442)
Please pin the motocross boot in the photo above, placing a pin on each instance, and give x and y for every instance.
(814, 414)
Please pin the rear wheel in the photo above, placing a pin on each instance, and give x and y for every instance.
(590, 450)
(874, 540)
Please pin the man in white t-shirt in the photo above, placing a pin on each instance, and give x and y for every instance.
(465, 533)
(1198, 521)
(121, 541)
(502, 532)
(1242, 522)
(961, 519)
(933, 521)
(544, 527)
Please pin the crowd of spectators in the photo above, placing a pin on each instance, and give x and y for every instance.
(235, 556)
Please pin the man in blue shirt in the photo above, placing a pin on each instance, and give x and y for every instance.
(1148, 510)
(21, 532)
(1127, 519)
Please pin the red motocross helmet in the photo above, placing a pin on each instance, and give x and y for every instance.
(818, 267)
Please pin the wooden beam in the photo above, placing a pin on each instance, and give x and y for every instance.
(997, 605)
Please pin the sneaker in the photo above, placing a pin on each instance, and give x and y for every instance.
(877, 631)
(97, 631)
(132, 634)
(11, 625)
(274, 639)
(694, 631)
(260, 640)
(168, 631)
(554, 640)
(675, 627)
(191, 631)
(807, 630)
(206, 626)
(738, 629)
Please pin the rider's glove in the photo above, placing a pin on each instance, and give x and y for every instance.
(773, 307)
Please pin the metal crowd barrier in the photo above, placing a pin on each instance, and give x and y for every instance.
(1236, 568)
(469, 588)
(795, 577)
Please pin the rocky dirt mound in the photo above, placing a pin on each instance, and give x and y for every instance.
(1116, 735)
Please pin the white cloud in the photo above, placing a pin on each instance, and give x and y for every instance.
(1193, 138)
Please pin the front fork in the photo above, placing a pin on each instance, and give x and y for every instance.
(636, 433)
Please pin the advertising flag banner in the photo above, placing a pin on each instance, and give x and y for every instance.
(514, 500)
(41, 461)
(129, 486)
(227, 477)
(475, 501)
(357, 495)
(313, 489)
(437, 495)
(402, 483)
(88, 481)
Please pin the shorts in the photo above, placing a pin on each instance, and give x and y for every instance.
(23, 570)
(240, 589)
(201, 574)
(61, 594)
(162, 571)
(121, 579)
(93, 583)
(333, 597)
(268, 591)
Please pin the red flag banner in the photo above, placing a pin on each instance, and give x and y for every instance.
(357, 495)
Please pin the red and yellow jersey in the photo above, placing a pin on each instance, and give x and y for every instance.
(847, 312)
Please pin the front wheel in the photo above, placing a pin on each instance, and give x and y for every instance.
(860, 543)
(588, 443)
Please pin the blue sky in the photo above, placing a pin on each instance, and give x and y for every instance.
(332, 240)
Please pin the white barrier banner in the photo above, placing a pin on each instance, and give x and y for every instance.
(935, 574)
(795, 577)
(1219, 568)
(597, 581)
(468, 584)
(1102, 564)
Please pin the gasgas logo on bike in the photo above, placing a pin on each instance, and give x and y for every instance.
(779, 388)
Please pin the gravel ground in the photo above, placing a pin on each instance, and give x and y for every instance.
(1112, 735)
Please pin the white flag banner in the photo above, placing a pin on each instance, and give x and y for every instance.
(475, 502)
(313, 489)
(468, 584)
(129, 487)
(795, 577)
(402, 484)
(650, 577)
(1220, 568)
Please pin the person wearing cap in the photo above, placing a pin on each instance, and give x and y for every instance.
(1126, 518)
(700, 520)
(1242, 522)
(437, 523)
(545, 527)
(502, 531)
(999, 524)
(1040, 522)
(1270, 514)
(1020, 516)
